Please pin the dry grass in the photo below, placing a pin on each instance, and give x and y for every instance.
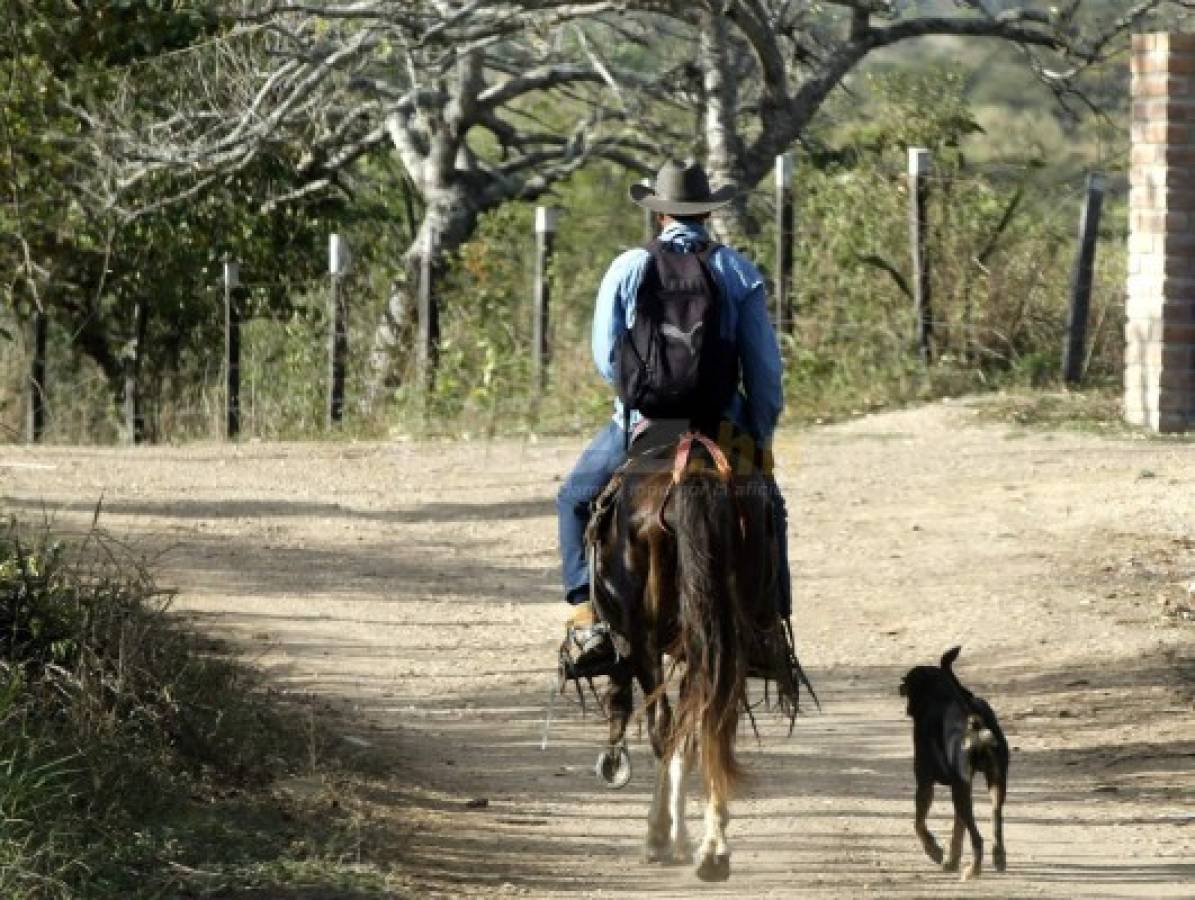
(138, 759)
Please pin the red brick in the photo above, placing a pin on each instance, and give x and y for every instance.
(1135, 406)
(1176, 288)
(1148, 155)
(1178, 196)
(1145, 355)
(1178, 41)
(1147, 177)
(1148, 63)
(1179, 240)
(1142, 383)
(1177, 110)
(1175, 424)
(1178, 311)
(1178, 199)
(1177, 374)
(1160, 355)
(1145, 243)
(1151, 222)
(1154, 85)
(1150, 41)
(1181, 64)
(1160, 221)
(1136, 412)
(1178, 156)
(1181, 179)
(1147, 265)
(1160, 332)
(1179, 403)
(1148, 329)
(1145, 41)
(1154, 110)
(1161, 131)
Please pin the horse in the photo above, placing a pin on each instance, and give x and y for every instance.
(683, 565)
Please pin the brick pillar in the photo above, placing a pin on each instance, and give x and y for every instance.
(1160, 333)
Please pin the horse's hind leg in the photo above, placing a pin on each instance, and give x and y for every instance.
(659, 721)
(678, 771)
(715, 852)
(658, 848)
(619, 702)
(619, 699)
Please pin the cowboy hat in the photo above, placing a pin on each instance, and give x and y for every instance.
(681, 190)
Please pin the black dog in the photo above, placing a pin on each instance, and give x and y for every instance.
(955, 735)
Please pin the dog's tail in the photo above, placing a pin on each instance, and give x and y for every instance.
(948, 659)
(947, 663)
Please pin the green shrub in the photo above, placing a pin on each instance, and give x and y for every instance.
(110, 713)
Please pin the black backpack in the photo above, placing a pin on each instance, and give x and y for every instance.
(673, 363)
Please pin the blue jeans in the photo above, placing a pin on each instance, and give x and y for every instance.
(598, 462)
(593, 470)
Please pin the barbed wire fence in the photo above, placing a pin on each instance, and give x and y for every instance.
(851, 274)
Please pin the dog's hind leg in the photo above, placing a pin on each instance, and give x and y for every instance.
(964, 820)
(956, 845)
(925, 797)
(998, 790)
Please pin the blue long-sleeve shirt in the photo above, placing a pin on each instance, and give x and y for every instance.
(744, 319)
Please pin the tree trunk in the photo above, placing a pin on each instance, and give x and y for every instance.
(448, 221)
(723, 146)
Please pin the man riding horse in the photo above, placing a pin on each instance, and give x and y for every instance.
(734, 376)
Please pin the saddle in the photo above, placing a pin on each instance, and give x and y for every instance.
(662, 447)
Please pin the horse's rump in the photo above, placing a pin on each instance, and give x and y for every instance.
(685, 565)
(684, 562)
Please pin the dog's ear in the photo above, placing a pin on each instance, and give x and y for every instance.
(950, 656)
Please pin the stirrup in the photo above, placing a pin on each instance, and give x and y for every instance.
(582, 640)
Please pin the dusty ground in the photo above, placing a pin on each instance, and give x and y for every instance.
(417, 584)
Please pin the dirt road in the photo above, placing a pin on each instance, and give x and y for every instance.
(417, 583)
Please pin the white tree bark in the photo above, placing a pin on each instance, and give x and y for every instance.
(724, 147)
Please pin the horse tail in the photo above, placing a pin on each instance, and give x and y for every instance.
(710, 634)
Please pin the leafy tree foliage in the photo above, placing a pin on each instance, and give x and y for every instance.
(141, 291)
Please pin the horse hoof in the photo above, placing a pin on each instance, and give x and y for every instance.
(971, 872)
(714, 867)
(999, 860)
(657, 853)
(951, 865)
(681, 856)
(613, 769)
(934, 852)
